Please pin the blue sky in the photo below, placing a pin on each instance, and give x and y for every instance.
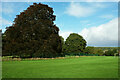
(95, 21)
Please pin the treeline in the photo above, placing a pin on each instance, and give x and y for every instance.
(107, 48)
(104, 51)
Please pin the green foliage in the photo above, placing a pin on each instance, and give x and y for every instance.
(106, 48)
(81, 54)
(63, 43)
(99, 52)
(62, 40)
(74, 44)
(89, 50)
(112, 52)
(106, 51)
(33, 34)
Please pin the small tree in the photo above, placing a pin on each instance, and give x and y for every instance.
(75, 43)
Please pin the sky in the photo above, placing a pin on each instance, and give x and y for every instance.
(97, 22)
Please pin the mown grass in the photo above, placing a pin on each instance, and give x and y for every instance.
(82, 67)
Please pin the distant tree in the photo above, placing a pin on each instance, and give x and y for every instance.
(99, 52)
(115, 50)
(108, 53)
(89, 50)
(75, 43)
(33, 34)
(111, 52)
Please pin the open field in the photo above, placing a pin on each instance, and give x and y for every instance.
(82, 67)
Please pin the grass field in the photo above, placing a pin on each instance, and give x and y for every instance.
(82, 67)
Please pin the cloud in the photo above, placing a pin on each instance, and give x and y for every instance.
(65, 34)
(103, 35)
(77, 10)
(4, 23)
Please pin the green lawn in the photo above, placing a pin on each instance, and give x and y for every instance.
(82, 67)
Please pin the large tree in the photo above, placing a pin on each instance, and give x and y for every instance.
(75, 43)
(33, 34)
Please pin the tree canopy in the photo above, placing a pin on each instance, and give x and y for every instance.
(75, 43)
(111, 52)
(89, 50)
(33, 34)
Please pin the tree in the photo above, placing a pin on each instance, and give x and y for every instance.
(75, 43)
(62, 40)
(63, 44)
(33, 34)
(110, 52)
(99, 52)
(89, 50)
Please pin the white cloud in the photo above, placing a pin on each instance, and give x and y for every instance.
(4, 23)
(65, 34)
(77, 10)
(102, 35)
(105, 34)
